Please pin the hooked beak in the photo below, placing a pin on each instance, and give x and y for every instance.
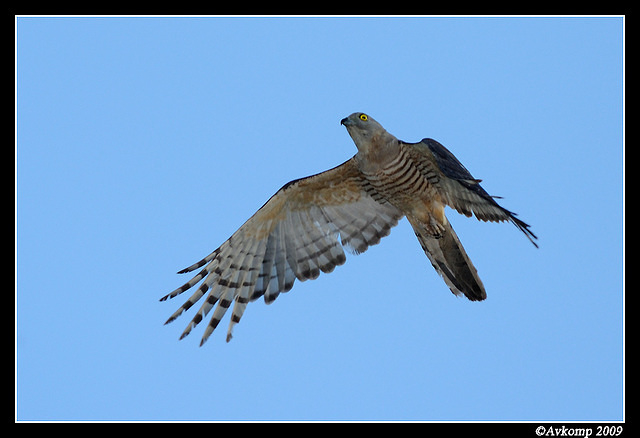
(346, 121)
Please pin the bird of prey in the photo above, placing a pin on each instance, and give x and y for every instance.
(302, 229)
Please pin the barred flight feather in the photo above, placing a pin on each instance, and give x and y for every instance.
(289, 238)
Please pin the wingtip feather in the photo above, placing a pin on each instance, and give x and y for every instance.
(524, 227)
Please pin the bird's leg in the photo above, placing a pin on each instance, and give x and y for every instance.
(435, 228)
(432, 227)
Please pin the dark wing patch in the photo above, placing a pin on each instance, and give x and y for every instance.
(447, 162)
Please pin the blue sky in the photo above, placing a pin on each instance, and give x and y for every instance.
(144, 143)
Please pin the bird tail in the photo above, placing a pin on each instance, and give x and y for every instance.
(450, 260)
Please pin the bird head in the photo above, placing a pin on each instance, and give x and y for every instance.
(362, 128)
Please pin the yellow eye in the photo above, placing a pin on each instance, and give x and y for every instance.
(363, 117)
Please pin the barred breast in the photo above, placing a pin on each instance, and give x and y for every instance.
(403, 182)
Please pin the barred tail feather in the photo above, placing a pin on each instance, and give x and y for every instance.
(448, 257)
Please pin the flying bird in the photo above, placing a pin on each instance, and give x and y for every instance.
(302, 229)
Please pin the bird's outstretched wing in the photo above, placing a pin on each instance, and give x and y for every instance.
(458, 188)
(296, 234)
